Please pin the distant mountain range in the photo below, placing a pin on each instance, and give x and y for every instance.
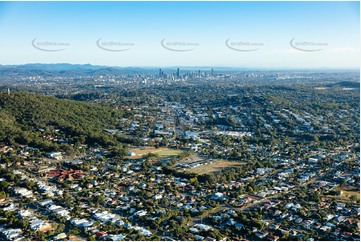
(53, 67)
(66, 69)
(69, 69)
(68, 66)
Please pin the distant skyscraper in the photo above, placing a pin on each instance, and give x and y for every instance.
(9, 91)
(177, 72)
(160, 73)
(212, 72)
(199, 73)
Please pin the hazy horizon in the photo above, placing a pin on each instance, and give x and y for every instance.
(195, 66)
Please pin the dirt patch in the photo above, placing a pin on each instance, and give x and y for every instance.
(348, 194)
(46, 228)
(75, 238)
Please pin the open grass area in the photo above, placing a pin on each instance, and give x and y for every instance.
(214, 167)
(162, 152)
(169, 152)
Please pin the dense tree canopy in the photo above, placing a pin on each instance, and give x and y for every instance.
(21, 113)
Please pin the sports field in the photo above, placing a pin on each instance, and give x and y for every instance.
(214, 167)
(162, 152)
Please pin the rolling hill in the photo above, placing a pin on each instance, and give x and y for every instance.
(23, 113)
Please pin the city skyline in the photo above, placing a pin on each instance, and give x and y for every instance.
(177, 34)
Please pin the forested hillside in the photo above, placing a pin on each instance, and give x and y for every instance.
(22, 114)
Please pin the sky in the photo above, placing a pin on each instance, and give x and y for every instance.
(224, 34)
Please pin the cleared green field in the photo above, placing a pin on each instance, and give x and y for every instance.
(214, 167)
(168, 152)
(162, 152)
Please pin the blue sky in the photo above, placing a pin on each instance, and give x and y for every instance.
(270, 26)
